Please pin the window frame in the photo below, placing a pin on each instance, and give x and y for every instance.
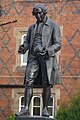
(20, 106)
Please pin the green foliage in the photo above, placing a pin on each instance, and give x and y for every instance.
(70, 111)
(11, 117)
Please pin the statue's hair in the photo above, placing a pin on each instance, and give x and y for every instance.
(40, 5)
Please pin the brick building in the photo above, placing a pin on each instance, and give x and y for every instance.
(66, 13)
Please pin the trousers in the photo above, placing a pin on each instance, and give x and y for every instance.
(36, 66)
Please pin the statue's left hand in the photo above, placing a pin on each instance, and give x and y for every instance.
(44, 54)
(38, 49)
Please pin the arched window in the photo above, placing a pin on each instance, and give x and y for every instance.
(37, 105)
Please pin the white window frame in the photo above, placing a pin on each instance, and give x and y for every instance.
(22, 55)
(20, 103)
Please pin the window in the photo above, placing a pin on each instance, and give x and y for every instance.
(23, 56)
(36, 105)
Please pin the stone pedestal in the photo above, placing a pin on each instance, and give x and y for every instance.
(32, 118)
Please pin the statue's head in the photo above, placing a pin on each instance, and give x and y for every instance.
(39, 11)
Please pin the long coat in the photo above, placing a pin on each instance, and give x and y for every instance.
(51, 38)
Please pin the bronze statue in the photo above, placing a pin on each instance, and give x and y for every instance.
(43, 40)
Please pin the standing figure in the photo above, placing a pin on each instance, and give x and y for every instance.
(43, 40)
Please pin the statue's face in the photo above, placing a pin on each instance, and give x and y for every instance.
(38, 13)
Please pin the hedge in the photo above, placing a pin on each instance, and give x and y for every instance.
(71, 110)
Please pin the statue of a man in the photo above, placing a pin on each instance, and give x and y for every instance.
(43, 40)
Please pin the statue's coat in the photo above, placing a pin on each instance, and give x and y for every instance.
(51, 38)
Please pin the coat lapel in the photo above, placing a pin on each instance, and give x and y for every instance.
(46, 39)
(46, 33)
(33, 34)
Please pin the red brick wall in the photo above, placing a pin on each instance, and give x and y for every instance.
(64, 13)
(5, 102)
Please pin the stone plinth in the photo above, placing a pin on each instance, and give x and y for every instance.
(32, 118)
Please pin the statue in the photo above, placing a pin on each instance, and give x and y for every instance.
(43, 40)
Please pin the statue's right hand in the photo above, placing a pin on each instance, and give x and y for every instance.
(21, 49)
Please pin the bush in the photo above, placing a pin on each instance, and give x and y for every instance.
(11, 117)
(70, 111)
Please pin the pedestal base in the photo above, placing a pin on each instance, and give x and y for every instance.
(32, 118)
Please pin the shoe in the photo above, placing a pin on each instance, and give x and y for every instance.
(22, 112)
(45, 112)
